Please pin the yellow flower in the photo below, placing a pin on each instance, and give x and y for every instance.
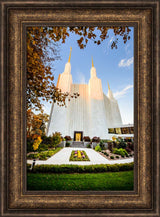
(79, 154)
(36, 143)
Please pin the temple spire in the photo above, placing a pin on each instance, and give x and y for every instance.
(110, 94)
(92, 62)
(70, 55)
(108, 86)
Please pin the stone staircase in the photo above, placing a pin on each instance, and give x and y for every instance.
(77, 144)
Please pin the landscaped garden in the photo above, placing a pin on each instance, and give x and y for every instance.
(118, 148)
(103, 177)
(42, 148)
(43, 155)
(78, 155)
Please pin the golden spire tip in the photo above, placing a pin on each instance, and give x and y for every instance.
(108, 85)
(70, 55)
(92, 62)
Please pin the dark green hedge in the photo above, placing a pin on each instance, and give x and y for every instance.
(81, 169)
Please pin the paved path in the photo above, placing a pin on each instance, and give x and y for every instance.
(62, 157)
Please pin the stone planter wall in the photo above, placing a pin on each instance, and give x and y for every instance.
(94, 144)
(70, 142)
(62, 144)
(86, 143)
(106, 145)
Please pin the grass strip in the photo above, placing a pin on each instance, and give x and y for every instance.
(112, 181)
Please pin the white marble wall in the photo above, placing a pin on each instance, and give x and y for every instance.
(98, 122)
(92, 112)
(78, 110)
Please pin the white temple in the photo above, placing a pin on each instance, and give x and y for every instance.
(88, 115)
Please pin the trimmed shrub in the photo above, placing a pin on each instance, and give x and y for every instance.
(102, 145)
(127, 139)
(131, 145)
(67, 144)
(46, 140)
(30, 145)
(88, 146)
(55, 139)
(110, 146)
(122, 144)
(68, 138)
(120, 151)
(86, 139)
(112, 157)
(96, 139)
(42, 147)
(106, 154)
(33, 156)
(81, 169)
(128, 150)
(98, 148)
(115, 144)
(117, 156)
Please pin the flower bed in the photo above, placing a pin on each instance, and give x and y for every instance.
(78, 155)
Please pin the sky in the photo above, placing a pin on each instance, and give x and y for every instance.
(112, 65)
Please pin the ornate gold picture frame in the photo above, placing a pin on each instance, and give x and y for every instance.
(15, 199)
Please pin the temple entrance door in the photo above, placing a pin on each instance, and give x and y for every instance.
(78, 136)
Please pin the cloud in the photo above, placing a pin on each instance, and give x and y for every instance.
(123, 92)
(125, 62)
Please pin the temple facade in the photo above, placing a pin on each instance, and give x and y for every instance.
(91, 114)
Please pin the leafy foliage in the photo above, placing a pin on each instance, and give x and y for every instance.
(122, 144)
(110, 146)
(82, 169)
(130, 145)
(102, 145)
(36, 143)
(98, 148)
(36, 123)
(88, 146)
(86, 139)
(95, 139)
(43, 155)
(56, 139)
(88, 33)
(67, 144)
(120, 151)
(68, 138)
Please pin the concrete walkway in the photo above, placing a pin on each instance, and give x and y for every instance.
(62, 157)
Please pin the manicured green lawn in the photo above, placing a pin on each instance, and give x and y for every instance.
(81, 182)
